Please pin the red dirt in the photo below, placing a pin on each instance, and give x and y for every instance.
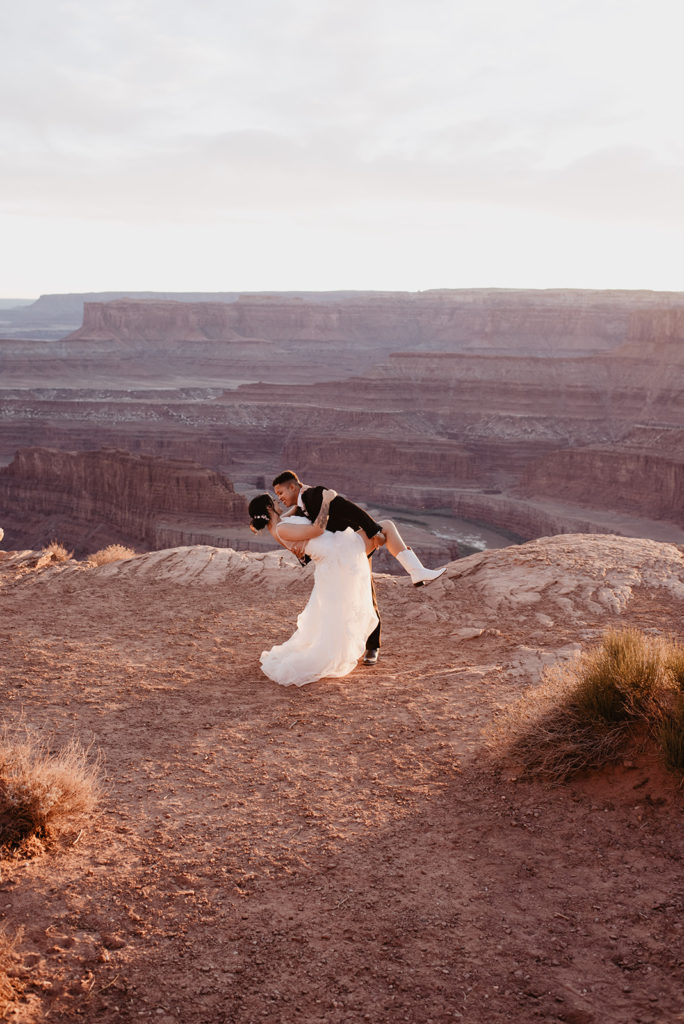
(342, 852)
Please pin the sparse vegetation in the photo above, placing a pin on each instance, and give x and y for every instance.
(671, 735)
(112, 553)
(675, 664)
(620, 679)
(627, 689)
(41, 791)
(56, 552)
(9, 989)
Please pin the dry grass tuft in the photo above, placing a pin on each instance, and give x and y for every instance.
(621, 678)
(41, 791)
(112, 553)
(585, 713)
(56, 552)
(10, 989)
(674, 661)
(671, 734)
(549, 737)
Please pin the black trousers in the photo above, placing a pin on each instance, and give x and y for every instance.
(373, 641)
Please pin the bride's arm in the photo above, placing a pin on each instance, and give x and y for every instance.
(273, 530)
(293, 532)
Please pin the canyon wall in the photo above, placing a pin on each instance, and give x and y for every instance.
(503, 318)
(392, 398)
(526, 520)
(89, 500)
(128, 498)
(549, 322)
(371, 466)
(650, 329)
(639, 482)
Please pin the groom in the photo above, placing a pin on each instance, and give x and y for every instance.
(343, 513)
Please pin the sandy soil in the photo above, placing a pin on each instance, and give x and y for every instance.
(346, 851)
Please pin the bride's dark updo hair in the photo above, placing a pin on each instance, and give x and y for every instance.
(259, 511)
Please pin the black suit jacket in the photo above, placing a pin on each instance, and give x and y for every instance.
(343, 513)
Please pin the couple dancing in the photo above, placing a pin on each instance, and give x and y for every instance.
(341, 618)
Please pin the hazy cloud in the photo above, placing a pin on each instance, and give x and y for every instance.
(179, 112)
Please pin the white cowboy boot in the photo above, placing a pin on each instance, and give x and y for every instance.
(409, 560)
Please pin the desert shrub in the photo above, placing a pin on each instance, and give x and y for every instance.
(9, 987)
(41, 792)
(112, 553)
(671, 734)
(620, 678)
(550, 735)
(56, 552)
(674, 663)
(586, 712)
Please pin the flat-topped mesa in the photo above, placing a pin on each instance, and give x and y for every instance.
(133, 497)
(638, 382)
(147, 320)
(549, 322)
(656, 335)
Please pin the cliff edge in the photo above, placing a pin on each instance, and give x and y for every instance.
(344, 850)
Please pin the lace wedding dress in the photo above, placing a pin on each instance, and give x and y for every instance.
(332, 630)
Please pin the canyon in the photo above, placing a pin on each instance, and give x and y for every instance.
(532, 412)
(92, 499)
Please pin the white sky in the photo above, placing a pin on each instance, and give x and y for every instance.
(311, 144)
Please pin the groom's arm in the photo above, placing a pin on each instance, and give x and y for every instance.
(341, 509)
(357, 516)
(312, 499)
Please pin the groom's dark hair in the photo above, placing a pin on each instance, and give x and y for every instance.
(288, 476)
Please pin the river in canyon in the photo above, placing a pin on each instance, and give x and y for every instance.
(421, 527)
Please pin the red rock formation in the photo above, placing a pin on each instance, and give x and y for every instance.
(639, 482)
(524, 520)
(650, 330)
(478, 401)
(548, 322)
(123, 497)
(377, 466)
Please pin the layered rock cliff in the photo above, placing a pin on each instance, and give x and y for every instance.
(640, 482)
(114, 496)
(491, 393)
(550, 322)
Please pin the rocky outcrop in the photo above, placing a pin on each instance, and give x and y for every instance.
(659, 329)
(524, 520)
(549, 322)
(508, 320)
(378, 467)
(114, 496)
(639, 482)
(537, 395)
(135, 321)
(52, 316)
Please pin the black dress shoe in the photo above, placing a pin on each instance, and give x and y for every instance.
(371, 657)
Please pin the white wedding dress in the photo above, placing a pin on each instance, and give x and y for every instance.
(332, 630)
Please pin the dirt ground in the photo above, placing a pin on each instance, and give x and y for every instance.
(343, 852)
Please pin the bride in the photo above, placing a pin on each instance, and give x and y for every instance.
(332, 630)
